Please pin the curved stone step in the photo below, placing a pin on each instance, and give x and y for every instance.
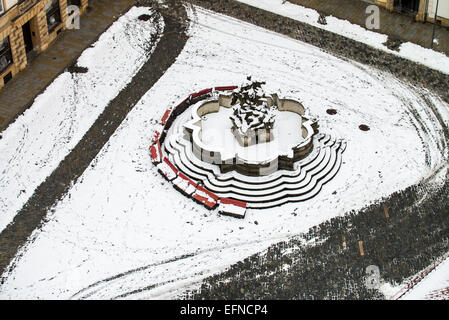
(214, 171)
(204, 169)
(280, 187)
(307, 187)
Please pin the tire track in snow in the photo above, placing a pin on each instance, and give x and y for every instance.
(97, 287)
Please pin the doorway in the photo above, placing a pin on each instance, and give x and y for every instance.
(407, 6)
(27, 38)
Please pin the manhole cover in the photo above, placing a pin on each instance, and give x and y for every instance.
(363, 127)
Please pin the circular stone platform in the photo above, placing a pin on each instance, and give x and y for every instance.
(199, 161)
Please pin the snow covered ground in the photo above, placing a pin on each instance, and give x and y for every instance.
(408, 50)
(33, 146)
(123, 232)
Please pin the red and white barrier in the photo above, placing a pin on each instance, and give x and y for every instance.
(184, 184)
(178, 179)
(200, 93)
(167, 169)
(232, 208)
(205, 197)
(228, 88)
(166, 116)
(156, 153)
(157, 133)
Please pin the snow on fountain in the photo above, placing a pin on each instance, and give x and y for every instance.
(264, 134)
(252, 118)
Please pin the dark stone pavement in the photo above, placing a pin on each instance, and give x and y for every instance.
(393, 24)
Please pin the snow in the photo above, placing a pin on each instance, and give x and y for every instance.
(217, 135)
(230, 209)
(124, 232)
(253, 122)
(33, 146)
(408, 50)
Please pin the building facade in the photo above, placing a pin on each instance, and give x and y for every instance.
(422, 10)
(27, 27)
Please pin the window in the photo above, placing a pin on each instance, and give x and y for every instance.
(53, 15)
(73, 3)
(5, 54)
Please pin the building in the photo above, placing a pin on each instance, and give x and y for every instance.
(422, 10)
(27, 27)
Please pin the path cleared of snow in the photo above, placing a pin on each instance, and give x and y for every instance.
(430, 58)
(124, 232)
(33, 146)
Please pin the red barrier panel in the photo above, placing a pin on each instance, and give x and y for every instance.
(188, 180)
(204, 196)
(156, 137)
(210, 194)
(184, 184)
(168, 170)
(165, 117)
(233, 202)
(200, 93)
(228, 88)
(156, 153)
(168, 162)
(205, 201)
(183, 102)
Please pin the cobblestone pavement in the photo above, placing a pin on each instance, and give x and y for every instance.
(413, 234)
(393, 24)
(33, 214)
(19, 93)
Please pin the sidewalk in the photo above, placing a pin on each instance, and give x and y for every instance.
(391, 23)
(18, 94)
